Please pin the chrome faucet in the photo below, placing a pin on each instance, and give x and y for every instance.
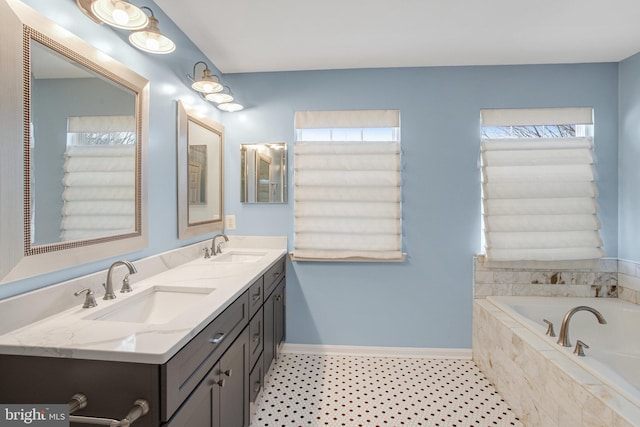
(125, 283)
(563, 339)
(217, 249)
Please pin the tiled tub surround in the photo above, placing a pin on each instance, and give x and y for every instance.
(629, 281)
(54, 324)
(599, 281)
(542, 382)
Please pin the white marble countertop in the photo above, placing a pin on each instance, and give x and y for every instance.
(70, 334)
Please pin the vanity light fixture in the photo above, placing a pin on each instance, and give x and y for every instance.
(220, 97)
(150, 39)
(210, 88)
(230, 107)
(119, 14)
(206, 84)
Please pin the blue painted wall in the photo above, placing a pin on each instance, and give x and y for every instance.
(629, 154)
(167, 75)
(425, 302)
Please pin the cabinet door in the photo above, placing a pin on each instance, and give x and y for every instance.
(234, 392)
(269, 340)
(256, 332)
(279, 315)
(201, 408)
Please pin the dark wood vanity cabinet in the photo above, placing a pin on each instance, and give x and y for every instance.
(274, 318)
(222, 398)
(210, 382)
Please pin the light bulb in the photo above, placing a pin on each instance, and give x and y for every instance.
(219, 98)
(152, 43)
(119, 15)
(230, 107)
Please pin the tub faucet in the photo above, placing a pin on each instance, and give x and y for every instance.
(217, 249)
(563, 339)
(109, 285)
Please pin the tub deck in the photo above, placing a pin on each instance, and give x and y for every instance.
(542, 381)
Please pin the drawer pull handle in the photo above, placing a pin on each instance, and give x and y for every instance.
(228, 372)
(256, 337)
(276, 274)
(257, 387)
(256, 297)
(220, 382)
(217, 339)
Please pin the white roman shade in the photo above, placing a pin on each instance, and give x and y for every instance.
(347, 119)
(347, 193)
(77, 124)
(537, 116)
(539, 199)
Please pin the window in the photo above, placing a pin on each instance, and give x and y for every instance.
(538, 185)
(99, 177)
(101, 130)
(347, 186)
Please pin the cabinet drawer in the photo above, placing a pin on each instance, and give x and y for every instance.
(256, 293)
(255, 380)
(256, 334)
(273, 276)
(181, 374)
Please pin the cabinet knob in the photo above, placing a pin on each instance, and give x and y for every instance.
(228, 373)
(256, 337)
(278, 297)
(220, 382)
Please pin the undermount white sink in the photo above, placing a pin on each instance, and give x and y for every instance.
(156, 305)
(238, 256)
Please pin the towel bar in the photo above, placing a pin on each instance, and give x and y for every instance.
(79, 401)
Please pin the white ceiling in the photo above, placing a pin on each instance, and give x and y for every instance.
(279, 35)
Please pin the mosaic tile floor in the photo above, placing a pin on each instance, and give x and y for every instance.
(315, 390)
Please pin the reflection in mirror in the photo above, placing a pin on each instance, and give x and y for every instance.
(82, 152)
(200, 196)
(63, 100)
(263, 173)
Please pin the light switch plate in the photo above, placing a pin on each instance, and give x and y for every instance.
(230, 222)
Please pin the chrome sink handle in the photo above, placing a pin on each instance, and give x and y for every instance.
(207, 253)
(550, 332)
(89, 299)
(126, 285)
(578, 351)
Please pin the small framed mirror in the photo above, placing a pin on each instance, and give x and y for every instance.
(200, 173)
(263, 173)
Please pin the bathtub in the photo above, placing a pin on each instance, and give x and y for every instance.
(545, 383)
(613, 355)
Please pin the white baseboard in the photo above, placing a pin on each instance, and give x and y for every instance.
(349, 350)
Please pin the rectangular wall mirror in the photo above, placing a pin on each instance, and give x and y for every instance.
(75, 125)
(200, 173)
(263, 173)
